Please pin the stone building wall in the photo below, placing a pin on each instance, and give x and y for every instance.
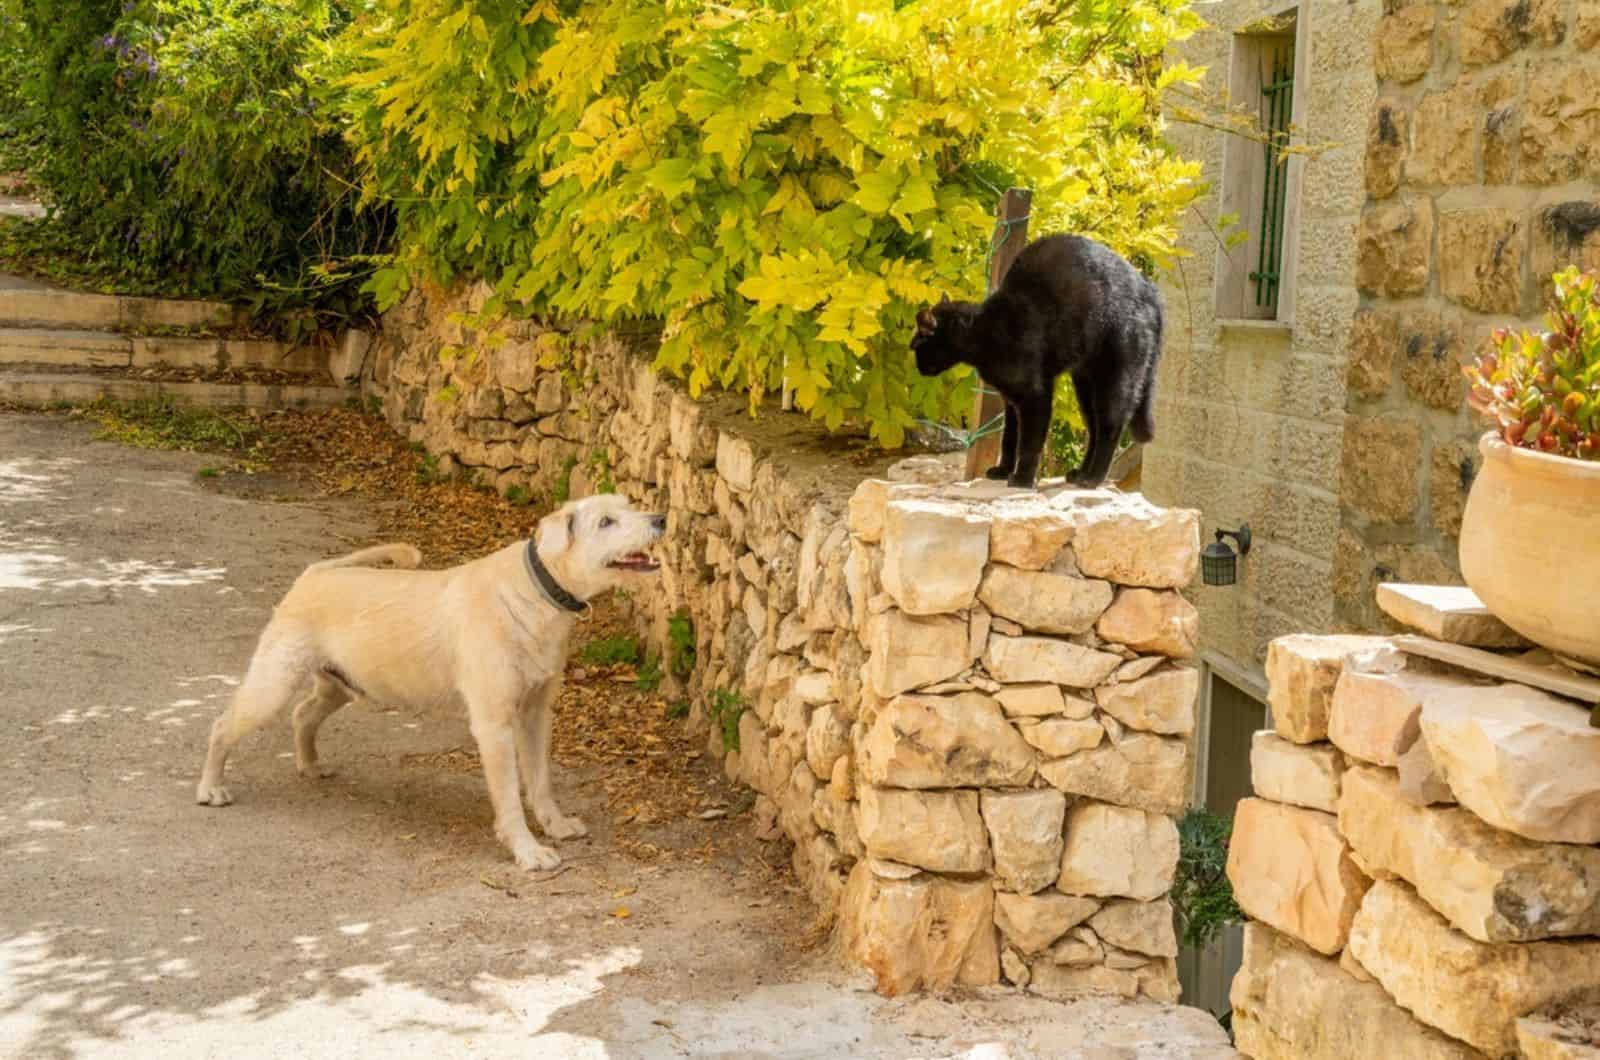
(1419, 864)
(1482, 162)
(1250, 415)
(966, 706)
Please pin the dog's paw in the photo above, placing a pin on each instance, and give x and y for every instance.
(317, 771)
(533, 857)
(565, 828)
(212, 795)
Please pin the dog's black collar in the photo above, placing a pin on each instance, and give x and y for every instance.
(548, 585)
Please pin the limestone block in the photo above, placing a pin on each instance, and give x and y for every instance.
(1025, 834)
(921, 933)
(1059, 737)
(1040, 700)
(1033, 659)
(1143, 927)
(1032, 922)
(1521, 759)
(1381, 464)
(1028, 535)
(1163, 702)
(1134, 669)
(1292, 1004)
(868, 503)
(1405, 43)
(908, 651)
(1387, 136)
(1447, 612)
(827, 740)
(1302, 671)
(920, 741)
(1044, 602)
(842, 784)
(1394, 247)
(1586, 26)
(1444, 138)
(1421, 783)
(1560, 124)
(1480, 258)
(1493, 29)
(933, 555)
(1132, 542)
(1156, 980)
(1376, 717)
(1118, 852)
(937, 830)
(1493, 885)
(1306, 775)
(1291, 869)
(1140, 770)
(1568, 1032)
(1374, 339)
(1471, 990)
(736, 461)
(1147, 621)
(1079, 948)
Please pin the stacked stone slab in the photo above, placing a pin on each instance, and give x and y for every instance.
(965, 705)
(1419, 864)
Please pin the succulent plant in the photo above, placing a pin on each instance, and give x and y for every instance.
(1542, 391)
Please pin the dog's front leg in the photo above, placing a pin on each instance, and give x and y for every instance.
(533, 745)
(494, 728)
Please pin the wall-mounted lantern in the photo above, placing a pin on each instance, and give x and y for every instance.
(1218, 562)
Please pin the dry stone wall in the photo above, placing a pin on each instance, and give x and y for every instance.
(1419, 863)
(1481, 174)
(966, 706)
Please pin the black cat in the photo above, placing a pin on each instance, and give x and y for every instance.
(1068, 304)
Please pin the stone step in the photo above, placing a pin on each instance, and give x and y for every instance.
(105, 349)
(81, 388)
(29, 305)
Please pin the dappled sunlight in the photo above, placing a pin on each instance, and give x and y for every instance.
(32, 479)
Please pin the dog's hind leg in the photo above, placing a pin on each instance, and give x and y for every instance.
(533, 750)
(267, 688)
(327, 696)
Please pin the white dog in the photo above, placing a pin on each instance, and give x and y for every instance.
(490, 636)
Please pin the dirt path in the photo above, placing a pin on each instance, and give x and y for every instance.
(371, 914)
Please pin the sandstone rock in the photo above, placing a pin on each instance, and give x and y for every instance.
(1290, 868)
(1144, 927)
(1560, 124)
(1521, 759)
(1059, 737)
(866, 508)
(1025, 833)
(1394, 247)
(933, 555)
(1420, 781)
(1028, 535)
(1117, 852)
(1132, 542)
(1032, 659)
(1302, 671)
(1147, 621)
(827, 740)
(1014, 968)
(815, 687)
(923, 933)
(1447, 612)
(1301, 775)
(1291, 1004)
(1480, 258)
(1569, 1032)
(1494, 886)
(1387, 136)
(1044, 602)
(1444, 137)
(841, 783)
(945, 742)
(1140, 770)
(1405, 43)
(1080, 948)
(1470, 990)
(1375, 717)
(908, 652)
(1031, 701)
(1382, 463)
(1163, 702)
(1156, 980)
(937, 830)
(1032, 922)
(736, 461)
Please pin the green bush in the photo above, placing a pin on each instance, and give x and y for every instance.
(780, 184)
(1202, 897)
(182, 144)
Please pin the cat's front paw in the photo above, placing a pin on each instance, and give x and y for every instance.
(998, 473)
(1022, 482)
(1084, 481)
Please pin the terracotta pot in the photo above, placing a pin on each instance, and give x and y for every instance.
(1530, 546)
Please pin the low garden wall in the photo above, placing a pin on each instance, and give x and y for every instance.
(1419, 864)
(964, 704)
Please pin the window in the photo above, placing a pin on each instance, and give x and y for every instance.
(1259, 181)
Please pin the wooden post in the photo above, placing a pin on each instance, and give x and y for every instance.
(1014, 207)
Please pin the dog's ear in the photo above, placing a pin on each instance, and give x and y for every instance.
(557, 530)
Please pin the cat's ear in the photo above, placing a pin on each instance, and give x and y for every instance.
(945, 299)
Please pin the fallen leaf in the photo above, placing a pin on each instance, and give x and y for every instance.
(623, 892)
(712, 815)
(622, 912)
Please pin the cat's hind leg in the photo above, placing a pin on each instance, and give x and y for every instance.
(1084, 387)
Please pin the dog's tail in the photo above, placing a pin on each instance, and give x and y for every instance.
(404, 556)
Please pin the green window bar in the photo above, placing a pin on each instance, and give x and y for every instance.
(1278, 104)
